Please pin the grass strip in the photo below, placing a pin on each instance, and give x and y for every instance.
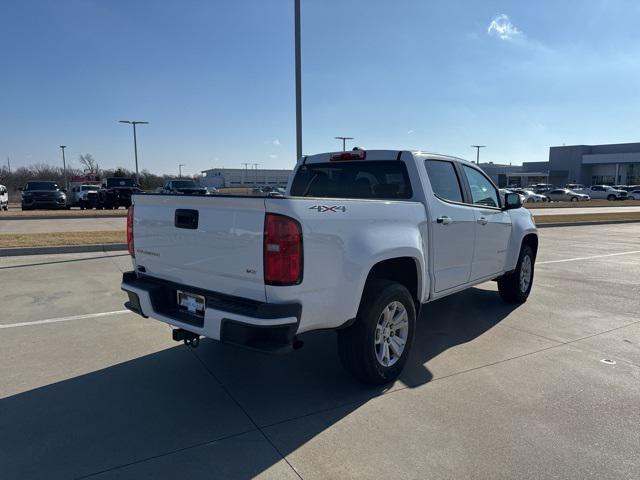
(15, 240)
(586, 217)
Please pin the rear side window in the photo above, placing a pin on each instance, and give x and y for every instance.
(444, 180)
(386, 180)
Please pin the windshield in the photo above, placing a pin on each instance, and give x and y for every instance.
(358, 179)
(91, 188)
(184, 184)
(41, 186)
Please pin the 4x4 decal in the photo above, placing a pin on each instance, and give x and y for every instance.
(329, 208)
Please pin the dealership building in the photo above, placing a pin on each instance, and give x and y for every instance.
(615, 164)
(241, 177)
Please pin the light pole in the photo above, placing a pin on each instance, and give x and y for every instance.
(478, 147)
(256, 169)
(135, 141)
(64, 167)
(180, 165)
(344, 139)
(298, 81)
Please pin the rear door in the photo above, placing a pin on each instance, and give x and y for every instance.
(212, 242)
(452, 226)
(493, 225)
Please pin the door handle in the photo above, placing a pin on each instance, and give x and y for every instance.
(444, 220)
(482, 221)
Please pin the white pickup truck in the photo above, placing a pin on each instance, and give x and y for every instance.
(359, 242)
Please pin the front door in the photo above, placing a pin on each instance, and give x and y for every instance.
(493, 226)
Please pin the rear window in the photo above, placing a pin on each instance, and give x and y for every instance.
(358, 179)
(444, 180)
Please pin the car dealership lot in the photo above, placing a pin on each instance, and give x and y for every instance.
(491, 390)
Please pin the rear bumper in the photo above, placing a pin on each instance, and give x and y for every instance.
(260, 326)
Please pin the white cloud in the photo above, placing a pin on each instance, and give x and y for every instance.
(273, 156)
(276, 142)
(409, 132)
(502, 28)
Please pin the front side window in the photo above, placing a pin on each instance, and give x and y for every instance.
(444, 180)
(482, 190)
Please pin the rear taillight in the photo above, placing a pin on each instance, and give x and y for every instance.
(130, 232)
(282, 250)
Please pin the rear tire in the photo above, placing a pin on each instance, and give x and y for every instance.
(376, 347)
(611, 197)
(574, 199)
(515, 287)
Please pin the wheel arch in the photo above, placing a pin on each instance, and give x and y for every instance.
(405, 270)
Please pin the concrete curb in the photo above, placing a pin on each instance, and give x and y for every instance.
(102, 247)
(583, 224)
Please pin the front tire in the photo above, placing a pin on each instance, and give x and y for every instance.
(376, 347)
(574, 199)
(515, 287)
(611, 197)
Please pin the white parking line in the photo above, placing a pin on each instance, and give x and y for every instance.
(588, 258)
(64, 319)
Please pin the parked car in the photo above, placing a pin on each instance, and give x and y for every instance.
(566, 195)
(183, 186)
(576, 187)
(116, 192)
(4, 198)
(43, 194)
(627, 188)
(634, 195)
(605, 191)
(258, 271)
(530, 196)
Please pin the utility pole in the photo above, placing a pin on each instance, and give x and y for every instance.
(255, 166)
(64, 167)
(298, 81)
(344, 139)
(180, 165)
(9, 165)
(478, 147)
(135, 142)
(246, 172)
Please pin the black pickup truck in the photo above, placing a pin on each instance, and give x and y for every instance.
(116, 192)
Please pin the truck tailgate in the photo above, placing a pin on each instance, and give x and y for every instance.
(212, 242)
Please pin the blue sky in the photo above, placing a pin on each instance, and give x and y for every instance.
(215, 78)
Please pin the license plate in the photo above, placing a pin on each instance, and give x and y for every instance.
(192, 303)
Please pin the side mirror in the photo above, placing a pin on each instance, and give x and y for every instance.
(512, 200)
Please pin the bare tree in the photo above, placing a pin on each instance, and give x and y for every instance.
(89, 164)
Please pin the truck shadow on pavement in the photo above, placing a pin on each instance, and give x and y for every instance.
(218, 411)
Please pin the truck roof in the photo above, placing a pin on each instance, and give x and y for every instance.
(381, 155)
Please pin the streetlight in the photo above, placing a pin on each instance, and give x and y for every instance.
(135, 142)
(478, 147)
(298, 81)
(344, 139)
(180, 165)
(64, 166)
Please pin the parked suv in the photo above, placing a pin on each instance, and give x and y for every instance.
(4, 198)
(43, 194)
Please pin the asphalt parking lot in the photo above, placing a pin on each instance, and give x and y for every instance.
(491, 390)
